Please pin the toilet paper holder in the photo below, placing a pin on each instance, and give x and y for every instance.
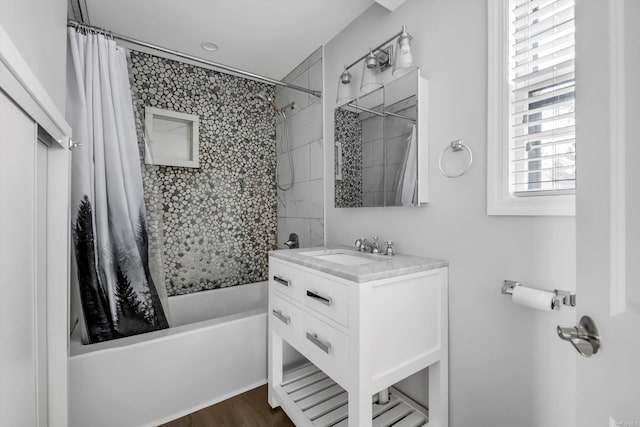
(561, 298)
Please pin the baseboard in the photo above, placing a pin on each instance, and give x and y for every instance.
(206, 404)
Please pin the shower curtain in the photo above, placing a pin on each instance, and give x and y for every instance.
(408, 176)
(111, 279)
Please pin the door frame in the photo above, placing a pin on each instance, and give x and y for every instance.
(617, 163)
(21, 85)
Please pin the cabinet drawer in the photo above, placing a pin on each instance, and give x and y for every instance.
(327, 347)
(286, 279)
(327, 297)
(286, 319)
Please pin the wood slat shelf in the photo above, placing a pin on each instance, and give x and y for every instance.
(311, 394)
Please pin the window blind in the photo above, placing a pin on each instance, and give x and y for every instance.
(542, 79)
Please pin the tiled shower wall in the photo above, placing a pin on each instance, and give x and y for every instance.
(372, 160)
(216, 223)
(301, 209)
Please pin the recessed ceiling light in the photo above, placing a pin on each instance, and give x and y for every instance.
(210, 46)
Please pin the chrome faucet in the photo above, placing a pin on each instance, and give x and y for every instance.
(374, 247)
(389, 250)
(364, 244)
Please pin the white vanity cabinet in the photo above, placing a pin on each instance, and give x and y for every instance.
(363, 328)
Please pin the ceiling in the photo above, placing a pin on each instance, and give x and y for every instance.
(268, 37)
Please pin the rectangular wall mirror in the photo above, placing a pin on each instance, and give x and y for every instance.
(380, 146)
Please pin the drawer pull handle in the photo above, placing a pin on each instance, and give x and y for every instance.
(282, 281)
(285, 319)
(322, 345)
(318, 297)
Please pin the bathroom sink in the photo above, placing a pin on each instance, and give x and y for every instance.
(341, 257)
(345, 259)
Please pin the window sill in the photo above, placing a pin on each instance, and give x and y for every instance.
(532, 206)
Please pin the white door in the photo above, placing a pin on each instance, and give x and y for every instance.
(608, 209)
(21, 364)
(33, 272)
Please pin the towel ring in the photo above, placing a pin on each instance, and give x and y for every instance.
(455, 147)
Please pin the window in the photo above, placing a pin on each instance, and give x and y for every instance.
(531, 129)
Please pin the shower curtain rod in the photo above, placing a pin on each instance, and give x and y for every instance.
(177, 53)
(379, 114)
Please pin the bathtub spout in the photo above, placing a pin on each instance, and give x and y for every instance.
(293, 242)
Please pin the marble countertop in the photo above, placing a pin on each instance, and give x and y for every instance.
(380, 267)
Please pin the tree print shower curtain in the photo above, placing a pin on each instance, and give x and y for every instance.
(111, 280)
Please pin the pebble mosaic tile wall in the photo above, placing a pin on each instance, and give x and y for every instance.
(217, 222)
(349, 133)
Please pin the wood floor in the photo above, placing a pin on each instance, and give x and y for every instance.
(248, 409)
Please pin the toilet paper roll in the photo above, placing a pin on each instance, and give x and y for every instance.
(533, 298)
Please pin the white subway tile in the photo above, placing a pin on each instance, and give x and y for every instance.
(295, 201)
(300, 99)
(316, 159)
(372, 129)
(378, 198)
(300, 163)
(367, 154)
(390, 198)
(315, 79)
(295, 73)
(314, 199)
(284, 170)
(316, 232)
(378, 152)
(372, 178)
(306, 125)
(396, 149)
(281, 204)
(306, 200)
(391, 177)
(395, 126)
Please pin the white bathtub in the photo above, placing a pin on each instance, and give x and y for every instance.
(216, 349)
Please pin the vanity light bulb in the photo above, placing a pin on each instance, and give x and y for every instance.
(403, 62)
(405, 57)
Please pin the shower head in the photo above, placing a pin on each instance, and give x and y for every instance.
(262, 96)
(283, 110)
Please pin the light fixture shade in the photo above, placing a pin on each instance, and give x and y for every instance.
(403, 61)
(370, 74)
(345, 94)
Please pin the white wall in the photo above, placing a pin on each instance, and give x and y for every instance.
(507, 367)
(37, 28)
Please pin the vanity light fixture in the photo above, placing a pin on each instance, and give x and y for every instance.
(345, 94)
(403, 62)
(370, 73)
(375, 61)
